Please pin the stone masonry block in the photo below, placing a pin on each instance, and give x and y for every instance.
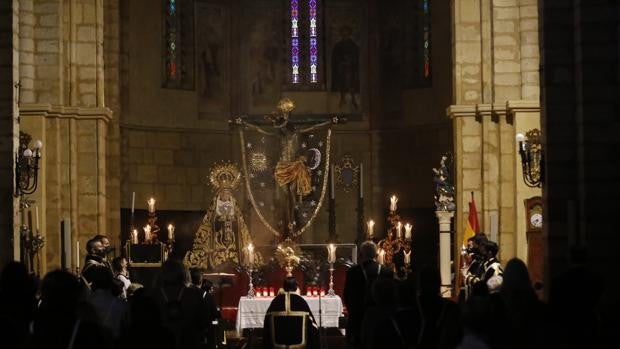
(87, 87)
(506, 12)
(26, 31)
(505, 40)
(86, 53)
(530, 51)
(46, 32)
(508, 79)
(44, 7)
(26, 71)
(528, 24)
(530, 11)
(468, 52)
(471, 69)
(147, 174)
(471, 143)
(505, 26)
(47, 46)
(89, 13)
(471, 96)
(506, 53)
(530, 64)
(86, 33)
(471, 179)
(470, 10)
(47, 72)
(88, 100)
(48, 20)
(507, 67)
(46, 59)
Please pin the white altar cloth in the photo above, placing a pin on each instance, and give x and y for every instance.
(251, 311)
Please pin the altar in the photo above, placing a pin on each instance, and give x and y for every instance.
(251, 311)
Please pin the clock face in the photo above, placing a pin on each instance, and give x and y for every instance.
(536, 220)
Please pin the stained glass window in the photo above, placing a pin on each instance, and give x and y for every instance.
(171, 40)
(178, 44)
(295, 41)
(304, 41)
(314, 47)
(427, 39)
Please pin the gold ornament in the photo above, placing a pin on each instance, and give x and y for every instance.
(225, 176)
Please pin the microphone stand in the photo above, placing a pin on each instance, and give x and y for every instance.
(320, 323)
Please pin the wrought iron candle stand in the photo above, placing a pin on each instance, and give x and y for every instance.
(331, 292)
(26, 183)
(251, 290)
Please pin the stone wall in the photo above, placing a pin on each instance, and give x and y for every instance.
(496, 84)
(61, 66)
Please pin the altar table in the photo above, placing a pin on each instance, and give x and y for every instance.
(251, 311)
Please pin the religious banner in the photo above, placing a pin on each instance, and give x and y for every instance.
(286, 166)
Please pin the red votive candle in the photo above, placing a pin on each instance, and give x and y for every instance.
(322, 292)
(315, 291)
(309, 291)
(272, 292)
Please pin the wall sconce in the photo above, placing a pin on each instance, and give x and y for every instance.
(27, 165)
(530, 149)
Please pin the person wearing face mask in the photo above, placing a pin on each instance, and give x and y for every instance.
(106, 245)
(95, 259)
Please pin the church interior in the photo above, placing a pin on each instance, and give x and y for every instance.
(258, 139)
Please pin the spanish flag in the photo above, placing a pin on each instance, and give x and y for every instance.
(472, 227)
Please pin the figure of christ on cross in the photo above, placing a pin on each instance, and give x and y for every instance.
(291, 173)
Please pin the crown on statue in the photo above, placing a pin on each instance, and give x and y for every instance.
(225, 176)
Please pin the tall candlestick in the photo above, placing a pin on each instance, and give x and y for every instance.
(371, 226)
(408, 228)
(393, 202)
(399, 228)
(381, 256)
(407, 257)
(133, 200)
(77, 254)
(151, 203)
(170, 232)
(331, 249)
(134, 237)
(36, 214)
(361, 180)
(250, 254)
(147, 233)
(332, 187)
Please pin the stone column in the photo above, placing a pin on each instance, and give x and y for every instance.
(445, 223)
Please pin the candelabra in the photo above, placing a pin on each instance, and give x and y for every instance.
(251, 290)
(530, 150)
(331, 292)
(26, 183)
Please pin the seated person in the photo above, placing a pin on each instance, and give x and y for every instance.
(285, 316)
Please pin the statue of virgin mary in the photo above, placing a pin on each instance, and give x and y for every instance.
(222, 235)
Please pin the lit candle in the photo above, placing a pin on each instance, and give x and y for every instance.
(408, 231)
(151, 203)
(36, 214)
(134, 237)
(170, 232)
(309, 291)
(322, 292)
(332, 191)
(407, 257)
(133, 200)
(399, 228)
(77, 254)
(250, 253)
(147, 233)
(331, 249)
(381, 256)
(361, 180)
(371, 226)
(272, 292)
(393, 201)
